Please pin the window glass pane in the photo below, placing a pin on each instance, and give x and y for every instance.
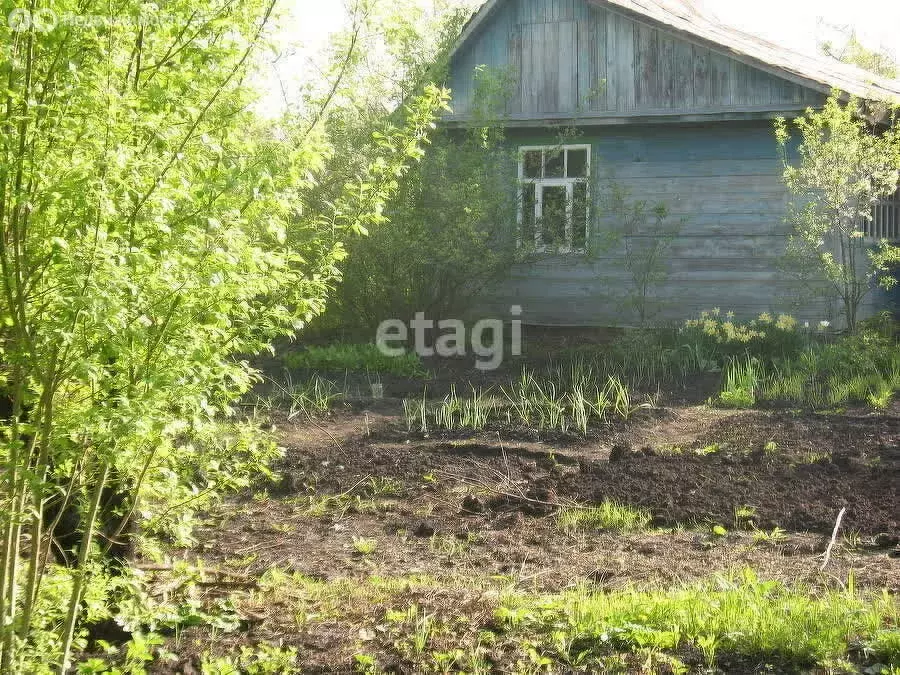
(556, 167)
(528, 201)
(553, 218)
(533, 164)
(579, 216)
(578, 163)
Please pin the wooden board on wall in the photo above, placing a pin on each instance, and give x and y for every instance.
(561, 50)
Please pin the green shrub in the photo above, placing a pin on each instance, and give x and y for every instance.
(355, 358)
(451, 234)
(720, 337)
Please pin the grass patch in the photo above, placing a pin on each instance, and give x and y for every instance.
(355, 358)
(609, 515)
(723, 623)
(767, 622)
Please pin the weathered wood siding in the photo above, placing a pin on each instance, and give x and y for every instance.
(570, 58)
(723, 180)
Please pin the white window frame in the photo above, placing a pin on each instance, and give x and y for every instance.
(541, 183)
(884, 224)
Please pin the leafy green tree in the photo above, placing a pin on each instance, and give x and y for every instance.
(451, 223)
(643, 234)
(451, 233)
(855, 53)
(845, 165)
(153, 232)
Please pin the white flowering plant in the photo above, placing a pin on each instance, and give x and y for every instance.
(721, 336)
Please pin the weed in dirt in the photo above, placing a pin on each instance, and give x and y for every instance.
(774, 537)
(609, 515)
(262, 660)
(300, 399)
(852, 540)
(365, 664)
(743, 517)
(708, 450)
(382, 487)
(338, 506)
(452, 547)
(364, 546)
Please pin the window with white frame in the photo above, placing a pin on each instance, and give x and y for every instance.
(554, 197)
(884, 224)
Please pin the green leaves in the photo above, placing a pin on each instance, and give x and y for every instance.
(845, 166)
(154, 233)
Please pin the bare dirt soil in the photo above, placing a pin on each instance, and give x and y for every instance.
(360, 498)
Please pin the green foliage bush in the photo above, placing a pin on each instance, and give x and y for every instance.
(450, 235)
(451, 232)
(720, 337)
(862, 369)
(154, 232)
(773, 359)
(355, 358)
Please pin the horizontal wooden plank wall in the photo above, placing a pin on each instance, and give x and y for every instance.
(570, 57)
(723, 180)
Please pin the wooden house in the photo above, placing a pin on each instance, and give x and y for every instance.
(671, 107)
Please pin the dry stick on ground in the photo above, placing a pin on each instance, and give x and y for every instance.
(837, 527)
(497, 490)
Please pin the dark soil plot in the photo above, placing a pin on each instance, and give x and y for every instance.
(377, 521)
(795, 472)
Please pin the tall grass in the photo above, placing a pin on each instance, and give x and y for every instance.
(829, 376)
(740, 383)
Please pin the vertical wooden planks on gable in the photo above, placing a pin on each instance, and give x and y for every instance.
(720, 80)
(514, 58)
(740, 83)
(592, 90)
(667, 71)
(646, 66)
(625, 57)
(567, 76)
(548, 53)
(701, 77)
(528, 85)
(612, 72)
(684, 75)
